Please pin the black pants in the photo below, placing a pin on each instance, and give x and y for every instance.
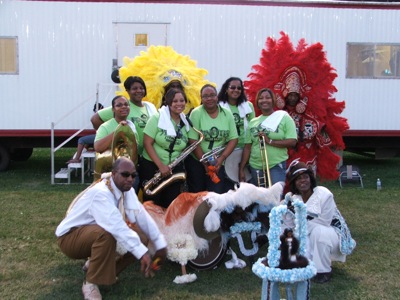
(168, 194)
(198, 181)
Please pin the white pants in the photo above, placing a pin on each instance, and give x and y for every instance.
(323, 247)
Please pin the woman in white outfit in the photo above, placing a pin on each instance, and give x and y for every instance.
(325, 243)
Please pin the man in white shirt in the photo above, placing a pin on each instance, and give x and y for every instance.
(95, 226)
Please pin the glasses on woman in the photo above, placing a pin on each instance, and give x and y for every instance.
(122, 104)
(208, 96)
(234, 87)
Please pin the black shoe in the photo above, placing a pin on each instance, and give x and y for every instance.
(322, 277)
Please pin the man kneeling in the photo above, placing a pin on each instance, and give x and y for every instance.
(95, 224)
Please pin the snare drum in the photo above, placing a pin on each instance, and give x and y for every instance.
(232, 166)
(209, 259)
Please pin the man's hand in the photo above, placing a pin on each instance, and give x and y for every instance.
(145, 264)
(159, 258)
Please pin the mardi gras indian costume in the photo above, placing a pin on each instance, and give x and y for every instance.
(305, 73)
(158, 67)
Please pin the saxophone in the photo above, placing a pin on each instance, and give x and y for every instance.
(155, 181)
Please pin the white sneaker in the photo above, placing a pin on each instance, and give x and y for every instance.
(90, 291)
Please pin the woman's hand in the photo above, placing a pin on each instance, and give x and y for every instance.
(220, 160)
(242, 177)
(265, 136)
(165, 170)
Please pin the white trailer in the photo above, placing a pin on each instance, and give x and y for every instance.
(54, 55)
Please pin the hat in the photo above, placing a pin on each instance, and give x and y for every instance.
(296, 168)
(198, 222)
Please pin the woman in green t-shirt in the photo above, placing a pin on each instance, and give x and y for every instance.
(279, 132)
(165, 137)
(232, 96)
(219, 129)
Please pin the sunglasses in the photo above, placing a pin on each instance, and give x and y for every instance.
(234, 87)
(127, 174)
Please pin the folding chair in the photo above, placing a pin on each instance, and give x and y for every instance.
(350, 173)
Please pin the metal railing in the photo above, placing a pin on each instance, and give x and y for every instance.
(110, 92)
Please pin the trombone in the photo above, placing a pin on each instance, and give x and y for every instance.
(264, 159)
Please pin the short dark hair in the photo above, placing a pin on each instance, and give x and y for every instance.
(206, 86)
(169, 96)
(115, 99)
(270, 92)
(131, 80)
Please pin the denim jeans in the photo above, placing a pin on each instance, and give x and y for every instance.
(278, 173)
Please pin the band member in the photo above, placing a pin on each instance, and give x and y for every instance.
(219, 129)
(140, 111)
(232, 97)
(105, 133)
(95, 225)
(165, 137)
(279, 133)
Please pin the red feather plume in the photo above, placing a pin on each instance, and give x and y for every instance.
(317, 88)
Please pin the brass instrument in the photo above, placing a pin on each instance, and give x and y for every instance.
(212, 155)
(265, 164)
(156, 183)
(123, 144)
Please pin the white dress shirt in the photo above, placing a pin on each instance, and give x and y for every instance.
(99, 205)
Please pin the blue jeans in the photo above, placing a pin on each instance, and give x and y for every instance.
(87, 140)
(278, 173)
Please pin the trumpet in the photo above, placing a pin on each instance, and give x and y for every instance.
(264, 159)
(211, 156)
(211, 159)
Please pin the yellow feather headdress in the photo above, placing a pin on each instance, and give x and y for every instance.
(160, 65)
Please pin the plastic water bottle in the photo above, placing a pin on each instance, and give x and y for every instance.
(378, 185)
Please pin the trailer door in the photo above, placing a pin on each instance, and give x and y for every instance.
(131, 38)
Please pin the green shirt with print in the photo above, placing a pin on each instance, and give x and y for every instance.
(217, 132)
(286, 130)
(162, 141)
(109, 127)
(240, 122)
(138, 115)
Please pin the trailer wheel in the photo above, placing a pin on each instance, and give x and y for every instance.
(4, 158)
(21, 154)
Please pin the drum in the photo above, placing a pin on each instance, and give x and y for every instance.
(232, 166)
(209, 259)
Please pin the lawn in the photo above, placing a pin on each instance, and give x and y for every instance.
(32, 267)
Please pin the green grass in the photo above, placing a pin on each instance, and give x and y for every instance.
(32, 267)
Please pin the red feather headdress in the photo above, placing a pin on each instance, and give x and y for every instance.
(306, 71)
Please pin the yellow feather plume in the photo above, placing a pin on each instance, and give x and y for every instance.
(158, 66)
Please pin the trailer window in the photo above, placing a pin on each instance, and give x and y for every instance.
(369, 60)
(8, 55)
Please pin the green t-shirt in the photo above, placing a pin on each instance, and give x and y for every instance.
(162, 141)
(286, 130)
(108, 127)
(217, 132)
(138, 115)
(240, 122)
